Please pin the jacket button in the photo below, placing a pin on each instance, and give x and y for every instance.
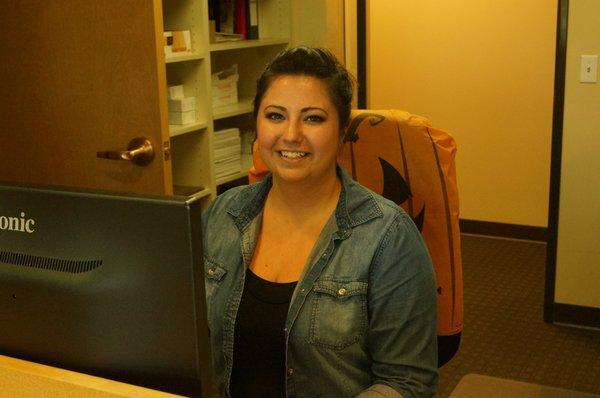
(290, 371)
(342, 292)
(211, 271)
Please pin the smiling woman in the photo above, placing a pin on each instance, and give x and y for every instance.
(316, 286)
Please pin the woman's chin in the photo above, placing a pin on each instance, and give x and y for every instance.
(294, 176)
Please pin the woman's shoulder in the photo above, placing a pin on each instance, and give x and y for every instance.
(238, 197)
(218, 209)
(386, 218)
(227, 198)
(370, 201)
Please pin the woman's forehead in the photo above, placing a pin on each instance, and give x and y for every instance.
(298, 88)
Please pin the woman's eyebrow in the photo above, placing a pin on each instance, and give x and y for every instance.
(281, 108)
(313, 108)
(303, 110)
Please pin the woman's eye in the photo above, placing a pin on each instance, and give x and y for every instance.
(274, 116)
(315, 119)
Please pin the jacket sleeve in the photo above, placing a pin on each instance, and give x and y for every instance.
(402, 335)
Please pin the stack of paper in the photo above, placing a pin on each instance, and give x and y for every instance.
(182, 109)
(224, 87)
(228, 152)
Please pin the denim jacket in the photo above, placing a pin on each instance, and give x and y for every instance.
(362, 320)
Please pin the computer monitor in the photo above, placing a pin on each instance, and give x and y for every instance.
(105, 284)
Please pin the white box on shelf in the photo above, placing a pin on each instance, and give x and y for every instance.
(224, 86)
(182, 104)
(224, 100)
(176, 92)
(186, 117)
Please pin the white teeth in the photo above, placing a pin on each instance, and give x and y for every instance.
(292, 154)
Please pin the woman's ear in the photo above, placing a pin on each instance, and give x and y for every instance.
(259, 169)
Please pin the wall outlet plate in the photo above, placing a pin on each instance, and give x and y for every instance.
(589, 69)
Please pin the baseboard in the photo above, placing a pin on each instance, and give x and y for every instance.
(503, 230)
(577, 315)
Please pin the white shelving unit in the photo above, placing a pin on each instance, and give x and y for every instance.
(236, 45)
(192, 56)
(175, 129)
(192, 144)
(244, 105)
(246, 164)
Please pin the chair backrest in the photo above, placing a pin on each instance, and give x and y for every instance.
(403, 158)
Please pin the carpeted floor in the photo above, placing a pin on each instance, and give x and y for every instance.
(504, 332)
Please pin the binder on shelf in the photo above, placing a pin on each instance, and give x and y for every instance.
(226, 16)
(252, 19)
(241, 18)
(214, 13)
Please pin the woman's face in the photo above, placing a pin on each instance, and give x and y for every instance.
(298, 130)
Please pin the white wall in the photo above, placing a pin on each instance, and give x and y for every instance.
(484, 71)
(578, 251)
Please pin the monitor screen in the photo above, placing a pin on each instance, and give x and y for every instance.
(105, 284)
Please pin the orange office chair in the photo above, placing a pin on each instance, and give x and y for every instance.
(403, 158)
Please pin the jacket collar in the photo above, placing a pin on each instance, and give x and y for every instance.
(357, 204)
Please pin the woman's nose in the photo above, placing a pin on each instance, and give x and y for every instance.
(293, 132)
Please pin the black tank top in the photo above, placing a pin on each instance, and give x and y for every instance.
(259, 340)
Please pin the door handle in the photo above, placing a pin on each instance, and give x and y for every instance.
(139, 151)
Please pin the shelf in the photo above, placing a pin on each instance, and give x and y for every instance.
(191, 192)
(246, 164)
(234, 45)
(175, 130)
(193, 56)
(193, 145)
(244, 105)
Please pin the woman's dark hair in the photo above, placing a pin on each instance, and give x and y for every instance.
(315, 62)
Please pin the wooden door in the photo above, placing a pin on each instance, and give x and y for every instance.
(78, 78)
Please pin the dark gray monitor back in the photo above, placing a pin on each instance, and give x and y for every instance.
(105, 284)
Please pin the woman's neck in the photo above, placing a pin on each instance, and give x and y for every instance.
(305, 200)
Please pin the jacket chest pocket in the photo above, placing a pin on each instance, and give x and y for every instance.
(213, 276)
(339, 313)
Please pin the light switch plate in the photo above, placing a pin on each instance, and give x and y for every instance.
(589, 69)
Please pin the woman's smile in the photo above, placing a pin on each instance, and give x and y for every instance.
(293, 154)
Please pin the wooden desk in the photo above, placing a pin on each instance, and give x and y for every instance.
(478, 386)
(25, 379)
